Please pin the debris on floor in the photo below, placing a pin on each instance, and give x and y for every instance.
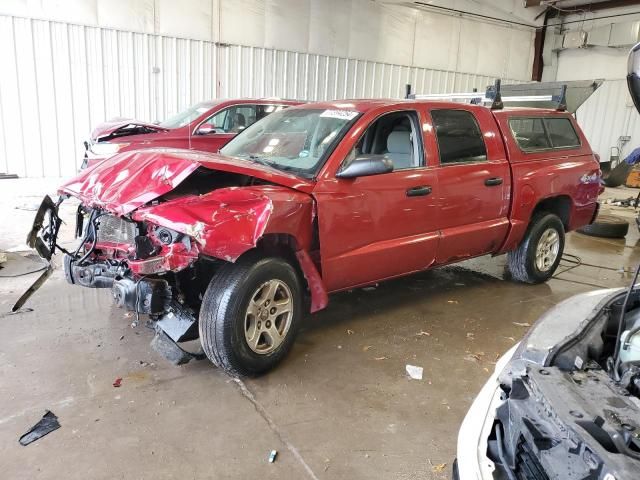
(622, 202)
(117, 382)
(523, 324)
(473, 357)
(438, 468)
(47, 424)
(414, 372)
(423, 333)
(272, 456)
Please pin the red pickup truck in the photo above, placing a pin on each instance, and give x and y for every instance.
(205, 126)
(235, 247)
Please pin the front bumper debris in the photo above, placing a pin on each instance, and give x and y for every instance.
(170, 350)
(44, 232)
(42, 237)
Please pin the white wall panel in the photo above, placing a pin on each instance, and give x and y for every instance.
(242, 22)
(172, 16)
(607, 115)
(440, 30)
(287, 24)
(60, 80)
(329, 27)
(136, 15)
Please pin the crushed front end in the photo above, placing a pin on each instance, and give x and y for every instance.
(155, 227)
(150, 269)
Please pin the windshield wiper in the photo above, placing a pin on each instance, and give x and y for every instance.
(274, 165)
(260, 160)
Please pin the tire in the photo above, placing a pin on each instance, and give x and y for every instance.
(522, 262)
(607, 226)
(224, 315)
(618, 175)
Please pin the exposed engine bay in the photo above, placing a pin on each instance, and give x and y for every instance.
(130, 129)
(150, 269)
(576, 415)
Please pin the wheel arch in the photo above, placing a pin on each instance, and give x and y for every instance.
(559, 205)
(286, 245)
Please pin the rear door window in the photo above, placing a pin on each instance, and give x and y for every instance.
(459, 137)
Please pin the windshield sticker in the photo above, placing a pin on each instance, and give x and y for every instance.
(342, 114)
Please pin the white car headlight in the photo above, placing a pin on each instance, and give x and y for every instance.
(106, 148)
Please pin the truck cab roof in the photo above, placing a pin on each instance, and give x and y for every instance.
(364, 105)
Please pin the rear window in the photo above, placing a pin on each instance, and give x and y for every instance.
(542, 133)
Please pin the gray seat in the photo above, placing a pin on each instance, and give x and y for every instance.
(400, 149)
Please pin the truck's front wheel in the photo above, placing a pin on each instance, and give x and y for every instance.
(538, 255)
(250, 315)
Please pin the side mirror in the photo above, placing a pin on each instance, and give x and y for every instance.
(206, 129)
(633, 75)
(366, 165)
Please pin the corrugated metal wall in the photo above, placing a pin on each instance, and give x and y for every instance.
(60, 79)
(607, 115)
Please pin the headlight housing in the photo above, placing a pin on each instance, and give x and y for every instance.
(107, 148)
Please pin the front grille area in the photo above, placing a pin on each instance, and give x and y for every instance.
(114, 229)
(528, 467)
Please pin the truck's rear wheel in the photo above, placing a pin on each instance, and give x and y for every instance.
(538, 255)
(250, 315)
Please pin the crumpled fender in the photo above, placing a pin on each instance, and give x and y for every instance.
(229, 221)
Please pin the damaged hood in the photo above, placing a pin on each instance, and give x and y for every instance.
(129, 180)
(229, 221)
(120, 125)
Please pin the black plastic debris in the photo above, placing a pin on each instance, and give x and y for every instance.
(47, 424)
(165, 346)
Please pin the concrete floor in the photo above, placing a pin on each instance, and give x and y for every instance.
(340, 406)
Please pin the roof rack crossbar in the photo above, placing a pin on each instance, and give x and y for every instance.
(494, 97)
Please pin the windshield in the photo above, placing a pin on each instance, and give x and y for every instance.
(296, 140)
(186, 116)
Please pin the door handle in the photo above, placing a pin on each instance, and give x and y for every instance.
(420, 191)
(492, 182)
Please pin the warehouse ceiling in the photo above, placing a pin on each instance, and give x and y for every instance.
(581, 5)
(509, 11)
(523, 12)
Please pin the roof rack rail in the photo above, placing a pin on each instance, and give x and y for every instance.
(494, 96)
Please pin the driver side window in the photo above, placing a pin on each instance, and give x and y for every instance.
(217, 121)
(233, 119)
(395, 136)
